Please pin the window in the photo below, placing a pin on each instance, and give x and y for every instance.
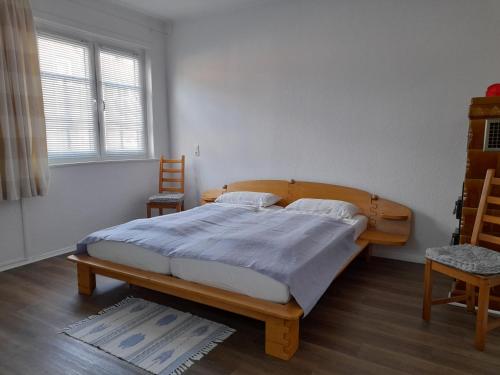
(94, 100)
(492, 135)
(69, 99)
(122, 95)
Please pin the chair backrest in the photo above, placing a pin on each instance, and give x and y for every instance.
(483, 216)
(171, 175)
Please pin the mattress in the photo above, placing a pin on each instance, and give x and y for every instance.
(232, 278)
(130, 255)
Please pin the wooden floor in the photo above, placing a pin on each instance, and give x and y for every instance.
(368, 322)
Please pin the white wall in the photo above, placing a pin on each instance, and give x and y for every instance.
(83, 198)
(369, 94)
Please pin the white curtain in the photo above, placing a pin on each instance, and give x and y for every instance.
(24, 170)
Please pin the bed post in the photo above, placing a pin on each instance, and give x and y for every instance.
(86, 279)
(282, 337)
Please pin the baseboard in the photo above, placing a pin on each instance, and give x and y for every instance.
(23, 261)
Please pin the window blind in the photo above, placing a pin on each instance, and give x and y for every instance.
(69, 98)
(123, 102)
(94, 100)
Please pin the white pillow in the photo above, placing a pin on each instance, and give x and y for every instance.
(249, 198)
(330, 207)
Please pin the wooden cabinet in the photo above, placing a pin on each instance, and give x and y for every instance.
(478, 161)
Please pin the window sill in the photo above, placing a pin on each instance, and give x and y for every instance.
(97, 162)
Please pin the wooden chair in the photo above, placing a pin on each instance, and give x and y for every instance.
(474, 265)
(171, 187)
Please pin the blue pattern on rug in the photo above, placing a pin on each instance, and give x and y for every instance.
(156, 338)
(99, 328)
(200, 331)
(138, 308)
(166, 320)
(132, 341)
(164, 356)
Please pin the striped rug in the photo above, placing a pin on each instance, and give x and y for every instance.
(153, 337)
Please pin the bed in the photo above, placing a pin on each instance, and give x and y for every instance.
(242, 290)
(216, 274)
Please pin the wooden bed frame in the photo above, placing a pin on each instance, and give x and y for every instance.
(389, 224)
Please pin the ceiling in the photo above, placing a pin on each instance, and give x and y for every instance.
(174, 9)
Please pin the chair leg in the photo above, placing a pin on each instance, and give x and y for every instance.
(426, 310)
(178, 207)
(470, 291)
(148, 206)
(482, 315)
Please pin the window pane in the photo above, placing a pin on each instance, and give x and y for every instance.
(122, 91)
(68, 95)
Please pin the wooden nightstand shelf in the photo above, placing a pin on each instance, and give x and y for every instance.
(210, 196)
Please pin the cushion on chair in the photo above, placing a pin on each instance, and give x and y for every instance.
(468, 258)
(166, 198)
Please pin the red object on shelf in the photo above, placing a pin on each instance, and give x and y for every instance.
(493, 90)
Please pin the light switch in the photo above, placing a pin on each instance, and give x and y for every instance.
(197, 150)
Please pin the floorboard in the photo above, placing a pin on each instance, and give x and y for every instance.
(368, 322)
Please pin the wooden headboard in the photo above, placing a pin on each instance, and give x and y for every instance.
(390, 222)
(290, 191)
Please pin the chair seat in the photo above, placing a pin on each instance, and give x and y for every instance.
(166, 198)
(468, 258)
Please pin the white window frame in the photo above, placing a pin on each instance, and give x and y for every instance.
(95, 45)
